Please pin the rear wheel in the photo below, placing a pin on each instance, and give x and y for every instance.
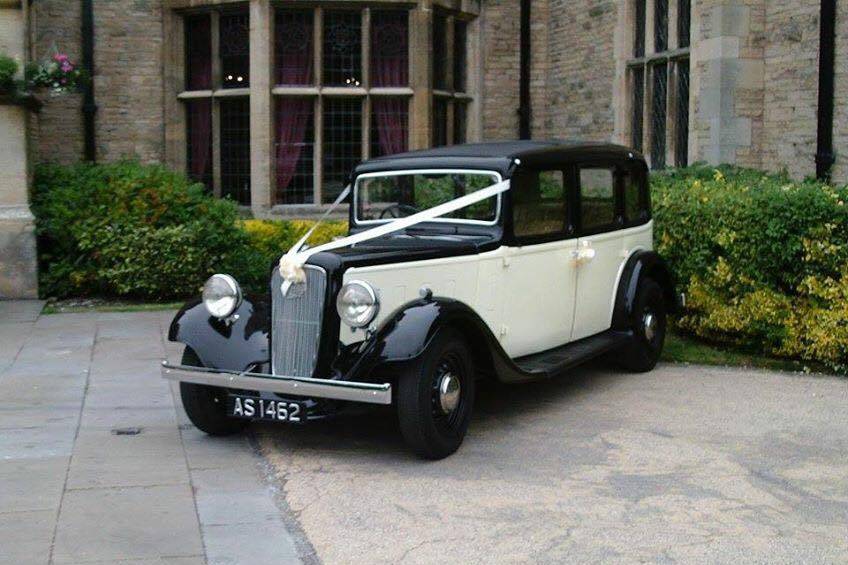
(436, 397)
(649, 327)
(206, 406)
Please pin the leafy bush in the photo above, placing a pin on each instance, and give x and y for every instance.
(138, 231)
(267, 240)
(126, 229)
(8, 72)
(763, 260)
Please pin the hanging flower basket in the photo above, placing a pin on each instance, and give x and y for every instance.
(58, 75)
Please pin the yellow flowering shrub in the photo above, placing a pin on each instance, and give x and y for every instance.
(763, 259)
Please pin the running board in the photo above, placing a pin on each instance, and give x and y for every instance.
(553, 362)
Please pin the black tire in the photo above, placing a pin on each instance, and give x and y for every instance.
(206, 406)
(649, 328)
(430, 430)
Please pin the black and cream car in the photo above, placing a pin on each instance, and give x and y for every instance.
(512, 261)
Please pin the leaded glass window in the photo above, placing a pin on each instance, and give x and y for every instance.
(450, 61)
(235, 148)
(659, 103)
(660, 25)
(342, 62)
(217, 117)
(440, 52)
(294, 148)
(293, 53)
(342, 145)
(658, 79)
(198, 52)
(681, 124)
(341, 91)
(234, 47)
(389, 48)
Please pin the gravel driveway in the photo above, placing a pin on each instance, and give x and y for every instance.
(686, 464)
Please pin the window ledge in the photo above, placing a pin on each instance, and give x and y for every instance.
(189, 94)
(306, 212)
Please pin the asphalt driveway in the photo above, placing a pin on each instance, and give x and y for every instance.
(99, 465)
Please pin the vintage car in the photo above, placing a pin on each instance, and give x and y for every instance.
(513, 261)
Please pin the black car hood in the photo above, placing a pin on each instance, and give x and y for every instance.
(400, 248)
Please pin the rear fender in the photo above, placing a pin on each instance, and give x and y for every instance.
(640, 265)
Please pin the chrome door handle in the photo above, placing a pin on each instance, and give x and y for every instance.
(583, 254)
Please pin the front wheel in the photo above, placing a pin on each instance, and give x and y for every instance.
(436, 397)
(206, 406)
(649, 327)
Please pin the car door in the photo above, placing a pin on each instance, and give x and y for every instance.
(539, 277)
(600, 248)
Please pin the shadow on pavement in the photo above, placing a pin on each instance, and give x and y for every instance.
(374, 432)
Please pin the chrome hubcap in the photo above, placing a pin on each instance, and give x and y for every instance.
(649, 324)
(448, 393)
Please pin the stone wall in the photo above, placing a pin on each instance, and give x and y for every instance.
(582, 65)
(58, 128)
(791, 86)
(840, 130)
(128, 80)
(500, 47)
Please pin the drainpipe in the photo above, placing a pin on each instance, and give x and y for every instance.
(524, 109)
(824, 142)
(89, 107)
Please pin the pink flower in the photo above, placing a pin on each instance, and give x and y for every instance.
(60, 57)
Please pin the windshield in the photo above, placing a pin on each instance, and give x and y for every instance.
(385, 196)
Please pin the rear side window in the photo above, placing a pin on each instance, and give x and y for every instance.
(597, 198)
(539, 203)
(635, 207)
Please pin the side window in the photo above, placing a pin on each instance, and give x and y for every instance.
(539, 203)
(635, 209)
(597, 198)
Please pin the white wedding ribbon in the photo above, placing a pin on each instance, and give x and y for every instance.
(291, 262)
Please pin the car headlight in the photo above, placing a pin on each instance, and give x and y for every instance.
(221, 295)
(357, 304)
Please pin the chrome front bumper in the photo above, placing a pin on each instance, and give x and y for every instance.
(370, 393)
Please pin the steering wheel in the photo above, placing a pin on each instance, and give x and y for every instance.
(398, 211)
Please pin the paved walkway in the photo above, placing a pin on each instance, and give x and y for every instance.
(98, 463)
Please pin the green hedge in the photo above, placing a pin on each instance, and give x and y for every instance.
(142, 231)
(763, 260)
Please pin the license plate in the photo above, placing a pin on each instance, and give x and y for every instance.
(256, 408)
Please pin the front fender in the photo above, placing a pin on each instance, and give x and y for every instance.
(405, 335)
(219, 345)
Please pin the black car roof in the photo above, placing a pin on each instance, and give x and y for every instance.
(497, 156)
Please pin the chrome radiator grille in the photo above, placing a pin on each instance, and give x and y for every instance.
(296, 323)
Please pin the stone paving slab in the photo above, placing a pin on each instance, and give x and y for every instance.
(126, 523)
(16, 311)
(98, 462)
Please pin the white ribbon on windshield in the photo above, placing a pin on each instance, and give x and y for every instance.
(291, 262)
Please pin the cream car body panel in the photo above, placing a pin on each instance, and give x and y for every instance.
(597, 278)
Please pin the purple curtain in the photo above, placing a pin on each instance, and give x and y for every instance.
(200, 140)
(294, 48)
(390, 49)
(293, 116)
(198, 53)
(391, 115)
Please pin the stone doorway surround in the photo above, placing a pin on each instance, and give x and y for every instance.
(18, 260)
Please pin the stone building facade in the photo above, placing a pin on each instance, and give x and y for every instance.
(721, 81)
